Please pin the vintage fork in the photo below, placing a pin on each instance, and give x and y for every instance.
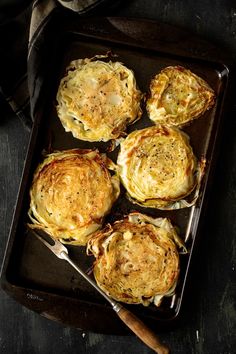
(134, 323)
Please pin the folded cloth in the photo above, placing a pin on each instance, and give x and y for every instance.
(23, 38)
(14, 34)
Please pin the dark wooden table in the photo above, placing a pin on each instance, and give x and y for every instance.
(208, 321)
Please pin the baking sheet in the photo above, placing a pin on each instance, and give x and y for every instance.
(31, 273)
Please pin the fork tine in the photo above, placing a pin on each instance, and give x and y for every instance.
(42, 239)
(57, 248)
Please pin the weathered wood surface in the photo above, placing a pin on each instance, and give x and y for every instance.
(209, 317)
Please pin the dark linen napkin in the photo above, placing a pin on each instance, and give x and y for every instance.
(26, 31)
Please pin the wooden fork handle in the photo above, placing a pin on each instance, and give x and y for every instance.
(142, 331)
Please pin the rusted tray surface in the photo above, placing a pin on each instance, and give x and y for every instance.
(30, 273)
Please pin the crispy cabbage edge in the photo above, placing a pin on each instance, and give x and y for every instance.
(191, 195)
(81, 235)
(77, 128)
(101, 240)
(161, 80)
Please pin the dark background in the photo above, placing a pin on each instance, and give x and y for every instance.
(208, 322)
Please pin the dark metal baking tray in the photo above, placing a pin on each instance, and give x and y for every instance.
(30, 273)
